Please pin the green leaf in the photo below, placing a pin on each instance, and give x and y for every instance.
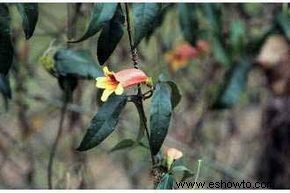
(160, 18)
(5, 86)
(237, 37)
(76, 63)
(6, 50)
(219, 52)
(110, 36)
(213, 14)
(142, 126)
(124, 144)
(68, 84)
(234, 85)
(160, 116)
(144, 16)
(187, 173)
(166, 182)
(101, 15)
(103, 123)
(175, 94)
(283, 22)
(188, 21)
(181, 169)
(29, 14)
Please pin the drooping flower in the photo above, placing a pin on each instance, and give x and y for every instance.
(116, 82)
(180, 56)
(172, 154)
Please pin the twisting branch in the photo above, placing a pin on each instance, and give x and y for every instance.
(129, 29)
(138, 100)
(72, 14)
(55, 145)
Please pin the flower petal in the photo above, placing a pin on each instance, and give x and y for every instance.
(102, 82)
(130, 77)
(106, 94)
(106, 71)
(174, 153)
(119, 90)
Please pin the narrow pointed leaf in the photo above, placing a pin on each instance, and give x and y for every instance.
(110, 36)
(6, 50)
(219, 52)
(76, 63)
(5, 86)
(103, 123)
(213, 14)
(188, 21)
(29, 14)
(124, 144)
(234, 85)
(142, 126)
(237, 37)
(160, 116)
(159, 20)
(187, 173)
(144, 16)
(181, 169)
(166, 182)
(101, 15)
(283, 22)
(175, 94)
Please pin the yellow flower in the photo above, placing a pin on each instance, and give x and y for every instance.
(117, 82)
(109, 84)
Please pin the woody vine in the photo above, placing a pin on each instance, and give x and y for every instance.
(137, 22)
(164, 93)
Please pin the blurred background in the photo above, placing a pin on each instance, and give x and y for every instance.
(247, 140)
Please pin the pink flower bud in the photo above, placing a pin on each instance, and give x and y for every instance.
(174, 153)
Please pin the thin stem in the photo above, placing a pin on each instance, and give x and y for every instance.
(55, 145)
(140, 108)
(197, 173)
(139, 101)
(131, 41)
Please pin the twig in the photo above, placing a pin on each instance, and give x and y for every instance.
(129, 29)
(55, 145)
(67, 93)
(140, 108)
